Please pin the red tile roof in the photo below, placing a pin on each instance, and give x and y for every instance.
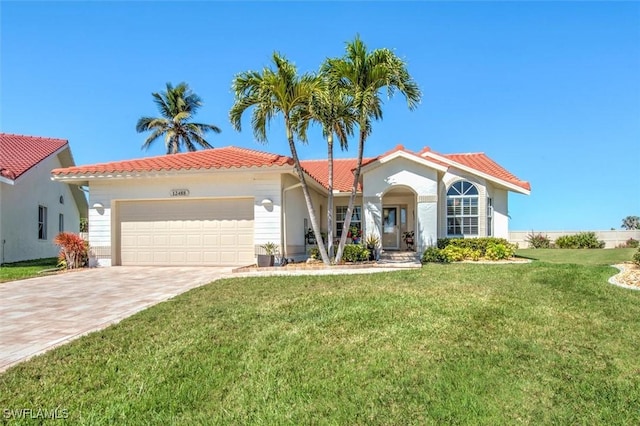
(479, 161)
(19, 153)
(406, 151)
(217, 158)
(234, 157)
(342, 172)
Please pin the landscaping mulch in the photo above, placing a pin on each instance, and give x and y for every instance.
(629, 275)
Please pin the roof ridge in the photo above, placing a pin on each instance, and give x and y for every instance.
(33, 137)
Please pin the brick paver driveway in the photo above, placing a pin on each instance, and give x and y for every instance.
(40, 313)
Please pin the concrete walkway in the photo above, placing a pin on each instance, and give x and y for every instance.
(41, 313)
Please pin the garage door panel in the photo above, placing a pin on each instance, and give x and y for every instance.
(186, 232)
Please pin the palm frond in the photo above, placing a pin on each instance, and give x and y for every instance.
(177, 105)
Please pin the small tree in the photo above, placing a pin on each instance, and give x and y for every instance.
(631, 222)
(73, 250)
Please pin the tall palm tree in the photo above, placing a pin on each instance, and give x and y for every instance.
(333, 110)
(272, 92)
(177, 105)
(363, 74)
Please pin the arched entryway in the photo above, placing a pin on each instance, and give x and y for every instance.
(398, 217)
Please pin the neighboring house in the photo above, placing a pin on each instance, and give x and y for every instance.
(217, 206)
(33, 208)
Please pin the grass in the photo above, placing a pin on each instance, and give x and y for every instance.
(579, 257)
(25, 269)
(456, 344)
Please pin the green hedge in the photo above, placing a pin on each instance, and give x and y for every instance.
(582, 240)
(457, 249)
(355, 253)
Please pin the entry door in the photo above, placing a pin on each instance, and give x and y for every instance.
(390, 228)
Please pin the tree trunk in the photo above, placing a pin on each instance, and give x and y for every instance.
(352, 198)
(330, 198)
(307, 195)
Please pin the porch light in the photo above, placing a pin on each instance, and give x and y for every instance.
(97, 206)
(266, 202)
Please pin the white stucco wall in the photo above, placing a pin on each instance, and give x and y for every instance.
(296, 213)
(219, 184)
(403, 173)
(500, 212)
(19, 213)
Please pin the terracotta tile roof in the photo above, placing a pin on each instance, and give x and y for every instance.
(19, 153)
(479, 161)
(217, 158)
(234, 157)
(342, 172)
(406, 151)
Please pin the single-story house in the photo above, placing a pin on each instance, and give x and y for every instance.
(218, 206)
(33, 208)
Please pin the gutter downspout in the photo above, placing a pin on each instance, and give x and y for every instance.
(283, 222)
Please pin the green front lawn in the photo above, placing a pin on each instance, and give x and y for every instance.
(579, 256)
(454, 344)
(25, 269)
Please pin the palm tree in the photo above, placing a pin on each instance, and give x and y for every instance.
(362, 75)
(177, 105)
(334, 111)
(273, 92)
(631, 222)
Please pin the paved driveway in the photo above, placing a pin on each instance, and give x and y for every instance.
(40, 313)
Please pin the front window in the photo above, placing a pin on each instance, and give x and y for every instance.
(462, 209)
(42, 223)
(341, 214)
(60, 222)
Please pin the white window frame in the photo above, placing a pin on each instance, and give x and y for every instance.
(489, 217)
(463, 209)
(341, 214)
(42, 222)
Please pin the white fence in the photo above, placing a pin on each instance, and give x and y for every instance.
(612, 239)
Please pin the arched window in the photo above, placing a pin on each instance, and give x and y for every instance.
(462, 209)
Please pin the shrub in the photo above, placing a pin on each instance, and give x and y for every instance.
(433, 255)
(355, 253)
(537, 241)
(74, 252)
(499, 251)
(314, 253)
(582, 240)
(636, 258)
(478, 245)
(631, 243)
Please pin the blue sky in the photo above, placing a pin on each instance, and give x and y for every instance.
(550, 90)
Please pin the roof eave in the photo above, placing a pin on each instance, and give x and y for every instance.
(7, 180)
(402, 154)
(84, 178)
(509, 185)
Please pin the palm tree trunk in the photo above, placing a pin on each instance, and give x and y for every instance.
(330, 197)
(352, 197)
(307, 195)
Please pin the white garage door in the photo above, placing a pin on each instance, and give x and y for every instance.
(186, 232)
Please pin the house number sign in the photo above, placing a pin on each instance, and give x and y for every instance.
(179, 192)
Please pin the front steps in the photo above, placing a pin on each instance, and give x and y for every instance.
(400, 259)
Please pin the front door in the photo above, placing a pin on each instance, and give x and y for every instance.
(390, 228)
